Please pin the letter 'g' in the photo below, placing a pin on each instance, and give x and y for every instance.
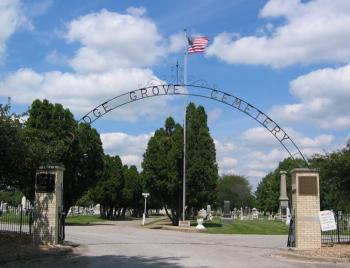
(133, 95)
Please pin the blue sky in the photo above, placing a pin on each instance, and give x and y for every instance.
(288, 58)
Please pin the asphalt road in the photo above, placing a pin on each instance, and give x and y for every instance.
(129, 245)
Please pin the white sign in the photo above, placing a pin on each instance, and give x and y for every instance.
(184, 223)
(327, 220)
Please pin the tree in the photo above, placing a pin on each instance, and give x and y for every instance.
(163, 165)
(54, 137)
(235, 189)
(132, 192)
(11, 196)
(108, 191)
(334, 169)
(202, 169)
(162, 168)
(12, 147)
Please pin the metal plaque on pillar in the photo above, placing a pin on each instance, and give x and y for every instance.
(308, 185)
(45, 182)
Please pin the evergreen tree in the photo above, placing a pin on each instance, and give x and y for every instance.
(162, 168)
(163, 165)
(201, 166)
(109, 190)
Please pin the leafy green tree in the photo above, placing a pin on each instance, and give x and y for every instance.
(202, 169)
(132, 192)
(109, 190)
(237, 190)
(12, 146)
(118, 190)
(11, 196)
(334, 169)
(54, 137)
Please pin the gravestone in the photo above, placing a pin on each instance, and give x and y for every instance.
(97, 209)
(227, 215)
(255, 214)
(209, 215)
(48, 204)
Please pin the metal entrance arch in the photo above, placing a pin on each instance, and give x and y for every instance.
(203, 92)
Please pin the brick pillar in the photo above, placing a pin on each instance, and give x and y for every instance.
(48, 204)
(306, 207)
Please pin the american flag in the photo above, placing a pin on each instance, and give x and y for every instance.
(197, 44)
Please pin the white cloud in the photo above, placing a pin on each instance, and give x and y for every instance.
(12, 18)
(260, 138)
(324, 97)
(312, 32)
(225, 147)
(177, 42)
(214, 114)
(129, 147)
(55, 57)
(113, 40)
(228, 162)
(82, 92)
(261, 161)
(132, 160)
(115, 48)
(136, 11)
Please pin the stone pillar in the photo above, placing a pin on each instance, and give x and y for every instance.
(48, 204)
(283, 196)
(306, 207)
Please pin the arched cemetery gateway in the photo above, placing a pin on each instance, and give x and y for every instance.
(305, 182)
(202, 92)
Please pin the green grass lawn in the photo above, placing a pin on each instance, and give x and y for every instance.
(83, 219)
(245, 227)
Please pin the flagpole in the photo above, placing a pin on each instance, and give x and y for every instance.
(184, 163)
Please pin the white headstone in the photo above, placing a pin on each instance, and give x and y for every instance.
(97, 209)
(24, 202)
(208, 209)
(255, 214)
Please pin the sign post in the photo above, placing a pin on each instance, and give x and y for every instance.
(145, 195)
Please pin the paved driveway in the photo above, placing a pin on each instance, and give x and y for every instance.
(126, 245)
